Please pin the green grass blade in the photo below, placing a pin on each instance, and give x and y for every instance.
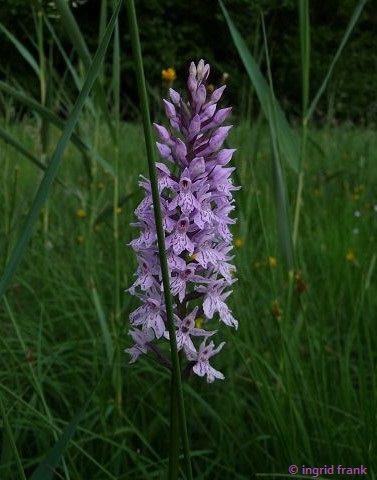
(73, 31)
(115, 111)
(78, 42)
(31, 103)
(116, 114)
(49, 177)
(73, 71)
(304, 20)
(21, 49)
(103, 322)
(45, 470)
(281, 202)
(50, 116)
(116, 74)
(8, 138)
(30, 408)
(369, 274)
(351, 25)
(286, 137)
(10, 437)
(102, 25)
(280, 188)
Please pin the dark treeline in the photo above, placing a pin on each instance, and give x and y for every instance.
(173, 33)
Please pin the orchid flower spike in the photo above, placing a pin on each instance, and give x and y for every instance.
(196, 201)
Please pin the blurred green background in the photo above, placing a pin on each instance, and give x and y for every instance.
(173, 33)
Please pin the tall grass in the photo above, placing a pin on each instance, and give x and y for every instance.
(300, 382)
(300, 386)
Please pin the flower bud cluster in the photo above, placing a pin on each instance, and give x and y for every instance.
(196, 201)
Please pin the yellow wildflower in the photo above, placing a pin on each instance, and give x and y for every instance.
(97, 228)
(80, 239)
(168, 74)
(80, 213)
(350, 256)
(272, 261)
(238, 242)
(118, 210)
(354, 197)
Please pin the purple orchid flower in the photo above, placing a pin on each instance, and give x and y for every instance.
(196, 200)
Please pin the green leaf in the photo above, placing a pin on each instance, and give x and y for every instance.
(22, 50)
(281, 201)
(71, 68)
(78, 42)
(304, 19)
(50, 174)
(46, 469)
(11, 440)
(286, 137)
(8, 138)
(50, 116)
(355, 16)
(280, 187)
(103, 322)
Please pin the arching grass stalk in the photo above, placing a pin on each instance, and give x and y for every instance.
(309, 109)
(305, 71)
(176, 371)
(280, 187)
(8, 436)
(51, 171)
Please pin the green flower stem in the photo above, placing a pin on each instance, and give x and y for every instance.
(176, 370)
(117, 376)
(174, 432)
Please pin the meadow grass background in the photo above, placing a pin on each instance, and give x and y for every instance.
(300, 383)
